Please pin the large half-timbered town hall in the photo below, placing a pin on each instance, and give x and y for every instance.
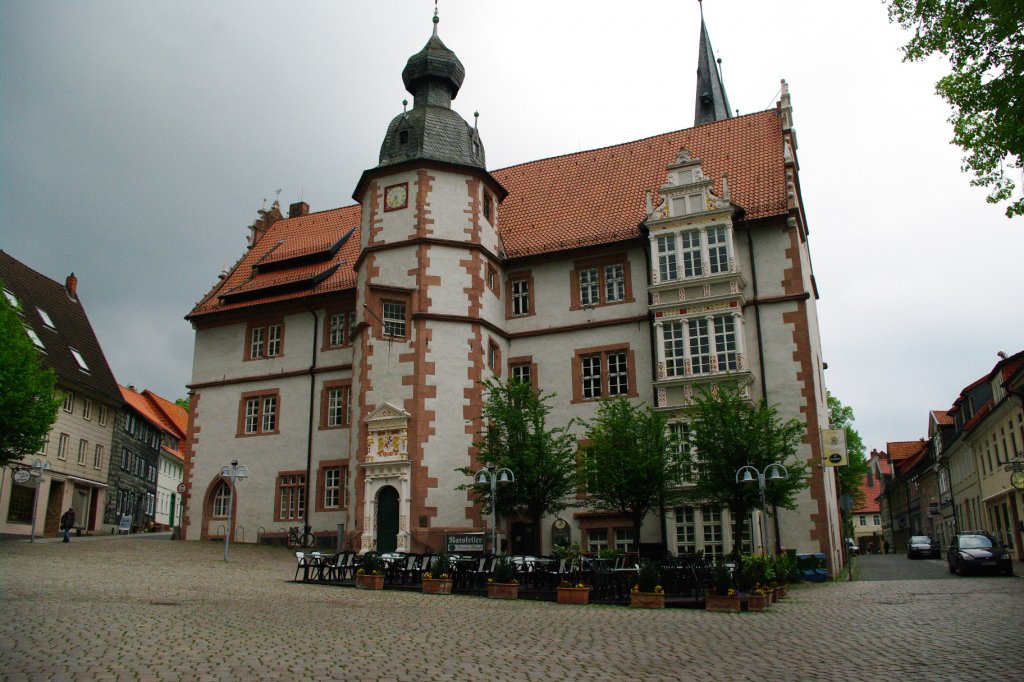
(341, 358)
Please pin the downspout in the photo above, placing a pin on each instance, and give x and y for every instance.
(312, 406)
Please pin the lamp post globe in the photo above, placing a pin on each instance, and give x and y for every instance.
(492, 475)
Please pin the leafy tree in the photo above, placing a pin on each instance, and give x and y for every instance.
(852, 475)
(516, 436)
(28, 406)
(182, 403)
(729, 432)
(630, 466)
(983, 41)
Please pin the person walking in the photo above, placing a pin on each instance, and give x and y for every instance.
(67, 522)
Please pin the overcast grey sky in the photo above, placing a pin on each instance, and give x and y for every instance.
(140, 138)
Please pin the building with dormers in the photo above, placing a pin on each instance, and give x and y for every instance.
(78, 448)
(340, 358)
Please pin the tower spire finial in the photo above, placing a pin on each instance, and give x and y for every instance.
(436, 19)
(712, 102)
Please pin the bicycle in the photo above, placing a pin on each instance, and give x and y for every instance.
(296, 538)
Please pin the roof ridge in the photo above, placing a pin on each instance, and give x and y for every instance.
(727, 121)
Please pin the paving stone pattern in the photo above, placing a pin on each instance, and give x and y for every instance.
(153, 609)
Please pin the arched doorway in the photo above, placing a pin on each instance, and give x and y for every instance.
(387, 519)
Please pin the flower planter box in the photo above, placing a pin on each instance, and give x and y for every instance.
(574, 595)
(757, 602)
(369, 582)
(722, 604)
(646, 600)
(782, 591)
(502, 590)
(437, 586)
(774, 595)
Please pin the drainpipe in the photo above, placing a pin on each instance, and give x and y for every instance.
(312, 407)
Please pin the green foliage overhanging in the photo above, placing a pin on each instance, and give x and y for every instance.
(984, 43)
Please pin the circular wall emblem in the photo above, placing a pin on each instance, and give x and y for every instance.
(22, 476)
(182, 488)
(835, 458)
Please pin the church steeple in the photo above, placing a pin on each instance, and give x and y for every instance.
(431, 130)
(712, 102)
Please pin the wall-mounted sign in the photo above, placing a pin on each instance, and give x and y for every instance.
(182, 488)
(22, 476)
(561, 533)
(464, 543)
(833, 445)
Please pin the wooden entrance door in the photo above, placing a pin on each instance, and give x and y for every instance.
(387, 520)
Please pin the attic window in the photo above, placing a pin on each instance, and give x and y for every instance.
(403, 137)
(79, 359)
(11, 298)
(476, 148)
(35, 338)
(46, 318)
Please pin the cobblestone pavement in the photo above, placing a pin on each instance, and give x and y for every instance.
(134, 608)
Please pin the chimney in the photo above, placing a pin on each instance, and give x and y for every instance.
(1002, 355)
(299, 208)
(71, 285)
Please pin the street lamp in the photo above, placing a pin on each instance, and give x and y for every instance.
(234, 472)
(775, 472)
(492, 475)
(33, 477)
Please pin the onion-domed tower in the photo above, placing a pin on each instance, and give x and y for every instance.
(428, 285)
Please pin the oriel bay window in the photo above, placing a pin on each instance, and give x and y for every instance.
(696, 252)
(258, 413)
(701, 345)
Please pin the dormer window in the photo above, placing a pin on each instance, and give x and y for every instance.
(476, 148)
(79, 359)
(403, 137)
(46, 318)
(35, 338)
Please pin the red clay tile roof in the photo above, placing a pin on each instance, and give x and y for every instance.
(139, 403)
(290, 238)
(587, 198)
(903, 449)
(871, 492)
(942, 418)
(162, 413)
(599, 196)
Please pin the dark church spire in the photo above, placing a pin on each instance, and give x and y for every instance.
(712, 102)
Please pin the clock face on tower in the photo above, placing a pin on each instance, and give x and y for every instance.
(396, 197)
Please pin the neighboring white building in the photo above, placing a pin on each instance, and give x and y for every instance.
(340, 359)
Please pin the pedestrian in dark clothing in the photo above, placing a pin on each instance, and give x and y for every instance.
(67, 522)
(885, 546)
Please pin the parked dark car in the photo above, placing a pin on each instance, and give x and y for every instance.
(977, 554)
(923, 545)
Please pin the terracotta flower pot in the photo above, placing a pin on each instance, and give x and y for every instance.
(437, 586)
(369, 582)
(722, 603)
(502, 590)
(647, 600)
(574, 595)
(757, 602)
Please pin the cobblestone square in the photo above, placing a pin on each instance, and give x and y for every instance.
(112, 608)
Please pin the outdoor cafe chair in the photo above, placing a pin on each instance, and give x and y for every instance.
(301, 565)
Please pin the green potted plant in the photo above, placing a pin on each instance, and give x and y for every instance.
(370, 574)
(438, 580)
(572, 589)
(503, 584)
(647, 592)
(722, 595)
(756, 574)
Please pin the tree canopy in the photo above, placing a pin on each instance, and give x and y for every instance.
(852, 475)
(516, 436)
(630, 465)
(983, 41)
(728, 433)
(28, 404)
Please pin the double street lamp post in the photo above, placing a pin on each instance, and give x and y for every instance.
(748, 474)
(492, 475)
